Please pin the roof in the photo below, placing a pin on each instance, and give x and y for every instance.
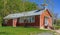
(29, 13)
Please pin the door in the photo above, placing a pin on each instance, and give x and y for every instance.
(46, 22)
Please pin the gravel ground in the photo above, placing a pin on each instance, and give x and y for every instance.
(49, 33)
(45, 33)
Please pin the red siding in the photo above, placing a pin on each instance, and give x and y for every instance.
(37, 20)
(10, 22)
(36, 23)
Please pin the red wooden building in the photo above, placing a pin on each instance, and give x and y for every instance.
(36, 18)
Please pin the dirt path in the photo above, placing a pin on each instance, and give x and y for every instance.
(57, 32)
(44, 33)
(48, 33)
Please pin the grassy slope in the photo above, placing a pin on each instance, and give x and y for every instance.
(19, 31)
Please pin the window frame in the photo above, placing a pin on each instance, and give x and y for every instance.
(31, 19)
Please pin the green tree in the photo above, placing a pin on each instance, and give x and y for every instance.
(15, 6)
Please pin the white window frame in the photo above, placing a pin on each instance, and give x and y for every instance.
(21, 20)
(32, 19)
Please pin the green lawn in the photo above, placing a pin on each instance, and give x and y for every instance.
(20, 31)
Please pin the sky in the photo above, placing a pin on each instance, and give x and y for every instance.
(55, 6)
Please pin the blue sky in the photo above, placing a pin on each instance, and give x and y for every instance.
(56, 6)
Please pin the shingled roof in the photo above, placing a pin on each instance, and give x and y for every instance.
(29, 13)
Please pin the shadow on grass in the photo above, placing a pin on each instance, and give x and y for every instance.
(4, 33)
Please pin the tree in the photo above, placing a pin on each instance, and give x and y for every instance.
(15, 6)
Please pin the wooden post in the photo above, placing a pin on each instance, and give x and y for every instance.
(14, 22)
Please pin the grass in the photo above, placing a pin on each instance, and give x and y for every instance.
(57, 27)
(20, 30)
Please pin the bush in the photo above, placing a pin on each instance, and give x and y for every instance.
(57, 27)
(1, 21)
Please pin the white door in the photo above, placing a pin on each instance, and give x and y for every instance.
(46, 22)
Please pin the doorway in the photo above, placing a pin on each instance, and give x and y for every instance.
(46, 22)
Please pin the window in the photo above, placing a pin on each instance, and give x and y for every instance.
(21, 20)
(5, 21)
(29, 19)
(32, 19)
